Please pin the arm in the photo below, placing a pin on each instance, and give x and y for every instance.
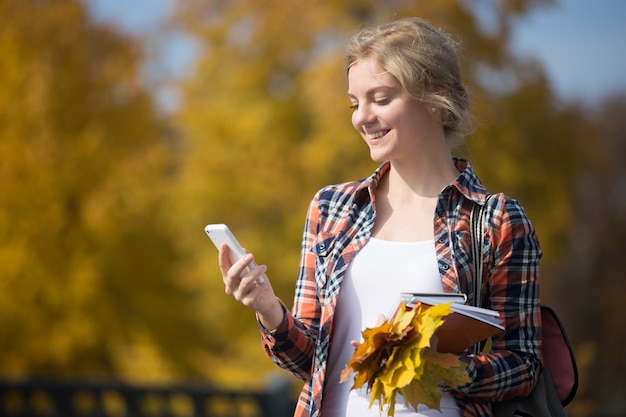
(292, 343)
(512, 288)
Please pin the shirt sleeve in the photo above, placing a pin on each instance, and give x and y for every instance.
(510, 286)
(292, 344)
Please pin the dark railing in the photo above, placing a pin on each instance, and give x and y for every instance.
(64, 398)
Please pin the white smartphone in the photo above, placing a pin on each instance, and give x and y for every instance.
(219, 234)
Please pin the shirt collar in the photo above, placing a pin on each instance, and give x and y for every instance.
(368, 186)
(467, 183)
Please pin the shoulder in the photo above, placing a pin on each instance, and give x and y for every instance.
(339, 195)
(509, 224)
(339, 192)
(502, 210)
(334, 200)
(335, 204)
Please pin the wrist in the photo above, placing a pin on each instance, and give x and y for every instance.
(271, 319)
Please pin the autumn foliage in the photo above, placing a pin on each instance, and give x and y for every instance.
(398, 357)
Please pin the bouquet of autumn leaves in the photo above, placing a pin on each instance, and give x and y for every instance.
(397, 357)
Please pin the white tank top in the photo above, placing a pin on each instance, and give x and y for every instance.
(374, 280)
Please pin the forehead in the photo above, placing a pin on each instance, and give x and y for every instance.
(366, 75)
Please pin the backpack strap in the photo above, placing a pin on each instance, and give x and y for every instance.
(477, 220)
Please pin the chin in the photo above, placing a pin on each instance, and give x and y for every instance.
(379, 157)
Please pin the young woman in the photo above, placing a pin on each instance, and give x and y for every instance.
(403, 229)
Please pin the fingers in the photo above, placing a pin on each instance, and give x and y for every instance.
(243, 279)
(229, 269)
(243, 276)
(246, 288)
(224, 259)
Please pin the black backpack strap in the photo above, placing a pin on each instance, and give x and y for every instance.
(477, 222)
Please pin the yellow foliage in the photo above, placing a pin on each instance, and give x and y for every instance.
(84, 168)
(396, 358)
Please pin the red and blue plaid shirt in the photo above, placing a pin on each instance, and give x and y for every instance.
(339, 222)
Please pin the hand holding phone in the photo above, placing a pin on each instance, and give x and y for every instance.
(258, 297)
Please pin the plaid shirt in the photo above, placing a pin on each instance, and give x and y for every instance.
(339, 222)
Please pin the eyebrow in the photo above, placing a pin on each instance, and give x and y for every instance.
(374, 90)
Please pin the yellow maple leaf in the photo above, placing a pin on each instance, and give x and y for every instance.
(439, 369)
(424, 392)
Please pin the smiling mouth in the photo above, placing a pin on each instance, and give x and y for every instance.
(377, 134)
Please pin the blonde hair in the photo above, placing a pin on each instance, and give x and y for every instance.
(425, 62)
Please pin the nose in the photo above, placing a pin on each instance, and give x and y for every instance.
(362, 115)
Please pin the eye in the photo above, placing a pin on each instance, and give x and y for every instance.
(354, 106)
(381, 101)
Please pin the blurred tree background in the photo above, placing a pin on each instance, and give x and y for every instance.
(104, 266)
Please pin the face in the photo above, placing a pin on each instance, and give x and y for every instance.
(394, 125)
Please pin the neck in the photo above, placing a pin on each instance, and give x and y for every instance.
(421, 177)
